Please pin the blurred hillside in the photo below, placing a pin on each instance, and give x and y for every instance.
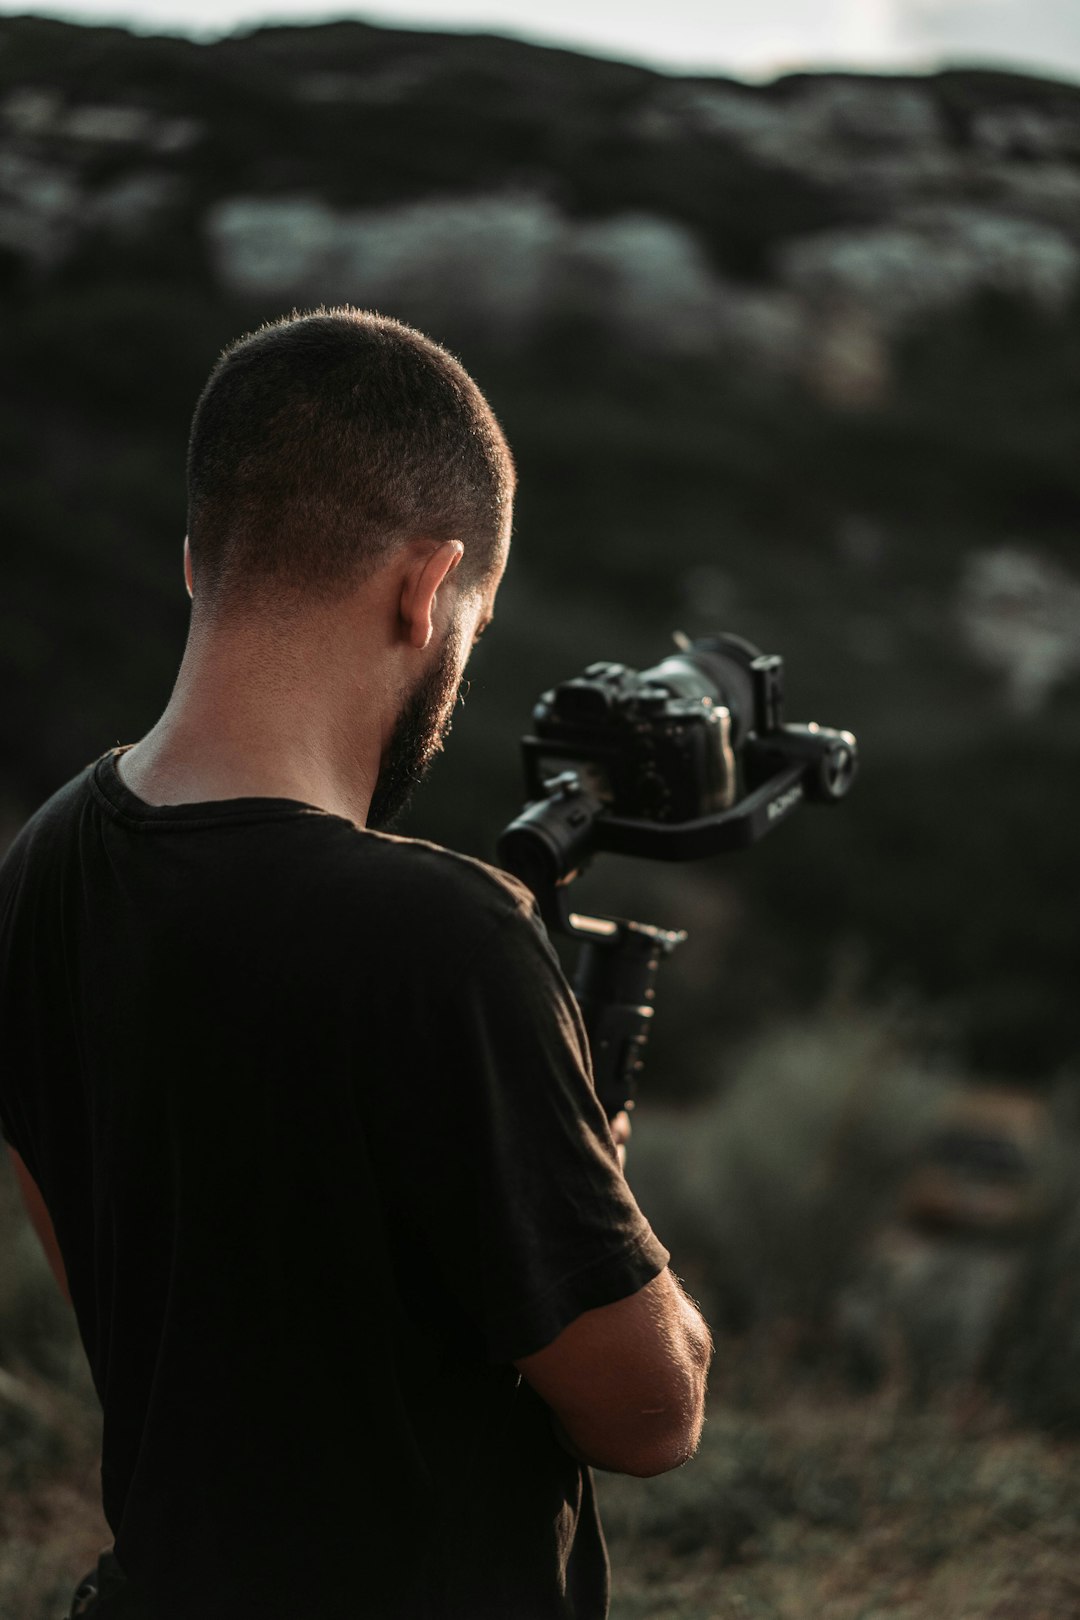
(801, 361)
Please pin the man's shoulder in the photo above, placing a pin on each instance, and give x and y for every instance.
(425, 883)
(49, 820)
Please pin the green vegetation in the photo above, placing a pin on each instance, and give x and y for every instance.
(820, 1506)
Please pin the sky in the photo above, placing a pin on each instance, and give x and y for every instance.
(751, 38)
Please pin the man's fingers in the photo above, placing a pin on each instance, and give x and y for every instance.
(620, 1130)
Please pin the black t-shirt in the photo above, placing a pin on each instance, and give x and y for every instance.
(310, 1109)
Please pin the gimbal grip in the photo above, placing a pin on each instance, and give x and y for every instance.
(615, 988)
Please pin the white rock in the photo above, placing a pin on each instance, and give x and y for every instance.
(1027, 132)
(386, 85)
(477, 254)
(107, 125)
(171, 135)
(643, 275)
(39, 207)
(510, 260)
(932, 260)
(31, 111)
(822, 126)
(41, 113)
(134, 204)
(1020, 614)
(1048, 193)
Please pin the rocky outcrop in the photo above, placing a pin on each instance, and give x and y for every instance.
(798, 226)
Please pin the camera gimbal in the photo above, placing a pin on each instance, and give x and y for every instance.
(687, 759)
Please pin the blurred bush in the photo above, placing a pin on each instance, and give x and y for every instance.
(1034, 1357)
(50, 1430)
(771, 1195)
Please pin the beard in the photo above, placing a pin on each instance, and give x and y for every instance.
(418, 737)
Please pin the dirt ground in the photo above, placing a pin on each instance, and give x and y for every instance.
(51, 1526)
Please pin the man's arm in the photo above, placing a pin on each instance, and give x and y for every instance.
(626, 1382)
(41, 1221)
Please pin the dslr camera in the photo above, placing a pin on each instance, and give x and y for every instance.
(688, 758)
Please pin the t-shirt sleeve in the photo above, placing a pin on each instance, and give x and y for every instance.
(526, 1202)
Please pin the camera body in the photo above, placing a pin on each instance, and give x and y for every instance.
(684, 759)
(645, 752)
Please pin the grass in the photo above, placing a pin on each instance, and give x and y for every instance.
(821, 1506)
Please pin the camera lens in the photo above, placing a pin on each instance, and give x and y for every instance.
(715, 667)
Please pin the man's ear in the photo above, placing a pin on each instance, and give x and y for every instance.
(427, 572)
(188, 579)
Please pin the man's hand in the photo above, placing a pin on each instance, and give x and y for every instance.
(621, 1131)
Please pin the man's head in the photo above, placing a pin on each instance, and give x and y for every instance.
(322, 442)
(346, 472)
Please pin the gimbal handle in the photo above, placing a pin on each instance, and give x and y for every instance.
(615, 984)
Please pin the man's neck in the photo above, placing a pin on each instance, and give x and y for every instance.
(244, 723)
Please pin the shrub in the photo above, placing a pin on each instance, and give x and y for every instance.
(768, 1194)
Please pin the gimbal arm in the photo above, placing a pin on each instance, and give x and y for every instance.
(555, 836)
(615, 976)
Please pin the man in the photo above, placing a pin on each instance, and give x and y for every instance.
(302, 1109)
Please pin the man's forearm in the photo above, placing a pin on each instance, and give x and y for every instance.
(626, 1382)
(697, 1358)
(41, 1221)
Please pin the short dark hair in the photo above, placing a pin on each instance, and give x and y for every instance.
(326, 438)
